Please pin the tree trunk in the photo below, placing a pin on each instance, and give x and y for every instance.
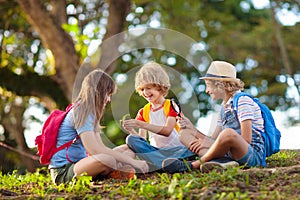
(280, 42)
(48, 26)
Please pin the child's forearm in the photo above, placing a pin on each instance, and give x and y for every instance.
(160, 130)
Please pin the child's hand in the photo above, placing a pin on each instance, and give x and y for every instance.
(184, 123)
(195, 146)
(201, 146)
(131, 124)
(124, 118)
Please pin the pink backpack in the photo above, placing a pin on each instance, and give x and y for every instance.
(46, 142)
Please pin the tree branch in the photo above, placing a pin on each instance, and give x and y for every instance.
(32, 84)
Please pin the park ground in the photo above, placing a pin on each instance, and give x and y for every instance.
(279, 180)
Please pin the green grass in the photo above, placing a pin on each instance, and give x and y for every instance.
(235, 183)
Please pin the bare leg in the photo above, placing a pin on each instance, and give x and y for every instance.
(196, 142)
(94, 165)
(186, 137)
(228, 140)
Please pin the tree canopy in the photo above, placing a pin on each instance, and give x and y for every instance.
(48, 46)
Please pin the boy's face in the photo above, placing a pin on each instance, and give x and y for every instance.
(151, 93)
(214, 91)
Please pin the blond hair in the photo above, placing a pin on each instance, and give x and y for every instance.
(229, 86)
(91, 99)
(152, 74)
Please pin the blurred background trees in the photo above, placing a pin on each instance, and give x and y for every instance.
(44, 44)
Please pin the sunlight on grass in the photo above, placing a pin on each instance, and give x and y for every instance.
(282, 159)
(234, 183)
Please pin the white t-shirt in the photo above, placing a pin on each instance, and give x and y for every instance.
(158, 118)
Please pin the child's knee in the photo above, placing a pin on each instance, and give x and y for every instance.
(227, 135)
(133, 139)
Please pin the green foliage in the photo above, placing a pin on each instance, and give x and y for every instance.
(79, 39)
(230, 30)
(283, 158)
(235, 183)
(39, 184)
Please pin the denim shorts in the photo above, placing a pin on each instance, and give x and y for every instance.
(63, 174)
(252, 158)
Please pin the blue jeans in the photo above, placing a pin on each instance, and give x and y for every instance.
(154, 155)
(251, 159)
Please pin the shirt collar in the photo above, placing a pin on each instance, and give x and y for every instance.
(229, 102)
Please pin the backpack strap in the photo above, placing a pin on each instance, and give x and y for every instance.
(67, 144)
(236, 99)
(167, 105)
(146, 112)
(69, 107)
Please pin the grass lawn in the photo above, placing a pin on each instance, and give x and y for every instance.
(280, 180)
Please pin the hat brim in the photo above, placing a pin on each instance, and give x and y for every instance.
(220, 79)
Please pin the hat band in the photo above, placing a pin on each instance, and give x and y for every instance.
(216, 76)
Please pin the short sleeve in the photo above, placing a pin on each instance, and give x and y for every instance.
(87, 126)
(245, 108)
(172, 112)
(139, 115)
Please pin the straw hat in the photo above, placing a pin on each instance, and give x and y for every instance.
(221, 70)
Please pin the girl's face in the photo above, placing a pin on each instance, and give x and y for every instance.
(214, 91)
(151, 94)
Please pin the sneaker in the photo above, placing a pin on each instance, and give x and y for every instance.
(173, 165)
(124, 173)
(218, 166)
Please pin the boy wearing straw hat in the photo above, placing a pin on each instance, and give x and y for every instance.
(236, 138)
